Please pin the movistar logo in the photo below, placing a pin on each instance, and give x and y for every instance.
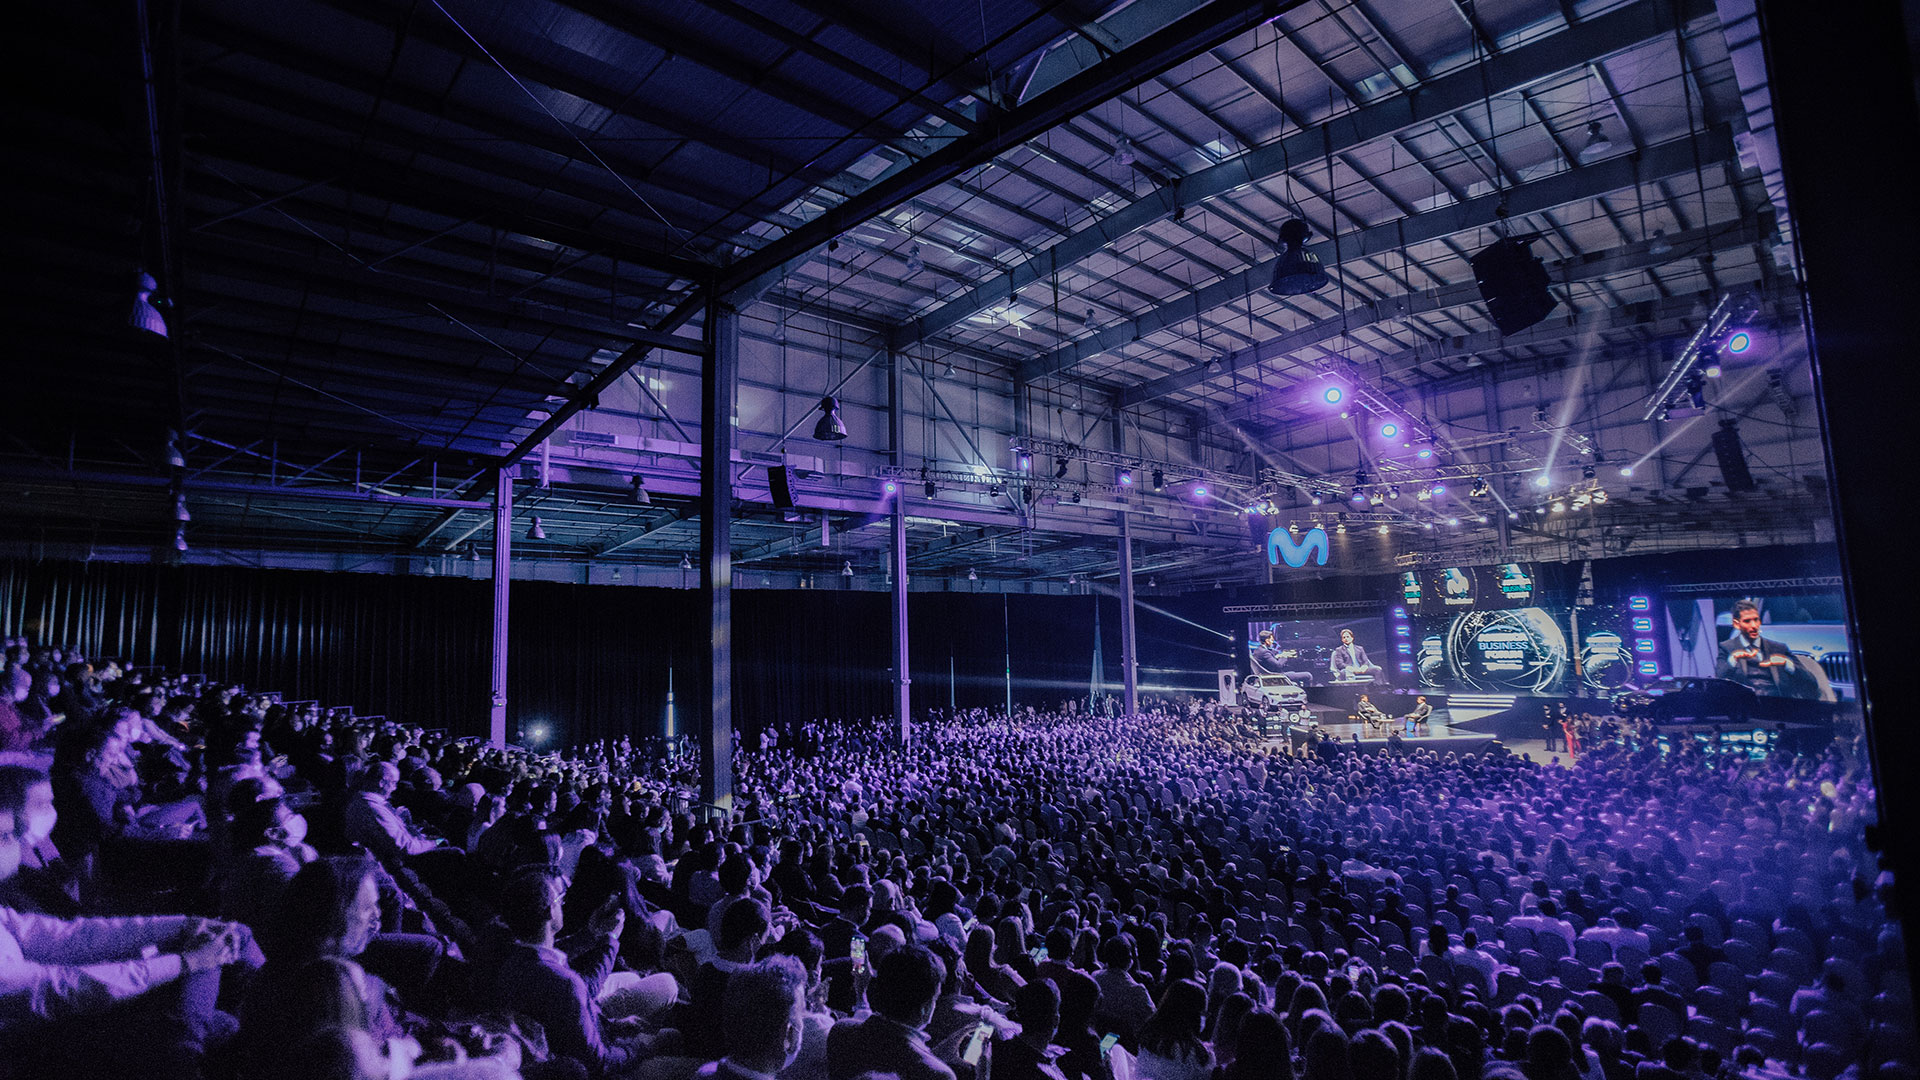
(1282, 548)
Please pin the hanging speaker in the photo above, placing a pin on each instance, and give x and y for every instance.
(1513, 281)
(1733, 458)
(778, 487)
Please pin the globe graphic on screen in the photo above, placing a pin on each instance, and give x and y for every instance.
(1604, 661)
(1523, 651)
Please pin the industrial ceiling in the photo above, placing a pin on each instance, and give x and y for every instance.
(400, 243)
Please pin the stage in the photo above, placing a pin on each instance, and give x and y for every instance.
(1435, 735)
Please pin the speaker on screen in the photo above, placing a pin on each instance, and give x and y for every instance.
(1732, 457)
(778, 487)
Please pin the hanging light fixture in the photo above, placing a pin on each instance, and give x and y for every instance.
(1123, 154)
(180, 538)
(537, 532)
(146, 316)
(972, 574)
(180, 512)
(1598, 145)
(1296, 272)
(685, 563)
(846, 568)
(829, 428)
(640, 495)
(915, 263)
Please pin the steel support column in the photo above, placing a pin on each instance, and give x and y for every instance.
(897, 442)
(502, 585)
(1129, 659)
(718, 385)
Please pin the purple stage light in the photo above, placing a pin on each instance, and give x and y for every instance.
(1333, 395)
(1389, 429)
(892, 487)
(1199, 492)
(1739, 342)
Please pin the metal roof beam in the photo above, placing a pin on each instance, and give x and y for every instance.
(1575, 185)
(1180, 41)
(1592, 267)
(1622, 29)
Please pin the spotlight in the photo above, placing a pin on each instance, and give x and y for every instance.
(1123, 154)
(972, 574)
(1586, 472)
(1359, 495)
(1060, 466)
(1333, 395)
(1422, 494)
(1374, 498)
(890, 487)
(830, 428)
(1479, 488)
(1383, 529)
(1316, 498)
(538, 531)
(1073, 579)
(1393, 492)
(145, 316)
(846, 568)
(1559, 506)
(914, 263)
(1425, 454)
(174, 457)
(640, 495)
(180, 538)
(1341, 528)
(931, 489)
(1296, 272)
(1626, 471)
(1598, 145)
(1453, 521)
(1439, 490)
(1023, 462)
(180, 509)
(1159, 480)
(1199, 492)
(1543, 480)
(1389, 430)
(1740, 342)
(473, 552)
(1714, 371)
(1126, 477)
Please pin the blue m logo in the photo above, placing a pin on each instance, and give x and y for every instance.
(1281, 547)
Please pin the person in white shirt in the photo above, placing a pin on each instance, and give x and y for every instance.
(372, 822)
(100, 996)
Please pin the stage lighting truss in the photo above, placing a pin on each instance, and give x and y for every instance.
(1171, 479)
(1680, 391)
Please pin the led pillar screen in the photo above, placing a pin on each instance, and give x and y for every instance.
(1783, 645)
(1321, 652)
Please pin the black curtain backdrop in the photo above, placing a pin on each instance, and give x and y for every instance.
(589, 662)
(585, 662)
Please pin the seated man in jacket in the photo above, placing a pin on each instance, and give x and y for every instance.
(108, 996)
(893, 1039)
(373, 823)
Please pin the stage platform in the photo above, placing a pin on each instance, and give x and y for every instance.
(1438, 737)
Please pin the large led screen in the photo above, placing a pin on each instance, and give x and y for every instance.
(1321, 652)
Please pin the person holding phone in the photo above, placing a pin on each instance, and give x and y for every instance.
(893, 1038)
(1031, 1054)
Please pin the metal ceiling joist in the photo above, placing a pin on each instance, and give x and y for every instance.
(1591, 267)
(1574, 185)
(1589, 41)
(1180, 41)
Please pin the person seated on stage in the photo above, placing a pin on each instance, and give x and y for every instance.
(1369, 712)
(1349, 661)
(1421, 710)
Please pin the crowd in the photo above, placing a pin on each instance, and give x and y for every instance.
(200, 881)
